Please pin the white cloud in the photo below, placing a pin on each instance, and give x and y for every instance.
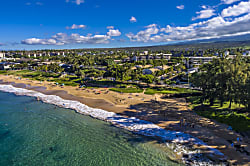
(39, 3)
(213, 28)
(110, 27)
(144, 36)
(233, 21)
(36, 3)
(181, 7)
(206, 13)
(236, 10)
(74, 26)
(36, 41)
(229, 1)
(78, 2)
(96, 39)
(133, 19)
(113, 32)
(74, 38)
(204, 7)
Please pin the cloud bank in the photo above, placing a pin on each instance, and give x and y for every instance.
(78, 2)
(206, 13)
(233, 20)
(236, 10)
(74, 38)
(229, 1)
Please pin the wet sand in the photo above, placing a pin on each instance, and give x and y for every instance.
(165, 113)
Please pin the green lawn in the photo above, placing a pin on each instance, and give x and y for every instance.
(239, 121)
(18, 72)
(127, 90)
(194, 100)
(151, 91)
(42, 76)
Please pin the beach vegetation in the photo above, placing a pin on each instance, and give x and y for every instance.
(225, 86)
(238, 120)
(224, 80)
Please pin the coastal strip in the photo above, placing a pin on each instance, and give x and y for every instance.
(141, 127)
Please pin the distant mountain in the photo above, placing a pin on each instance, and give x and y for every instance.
(241, 38)
(216, 43)
(225, 42)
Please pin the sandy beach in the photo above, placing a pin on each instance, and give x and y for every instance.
(166, 113)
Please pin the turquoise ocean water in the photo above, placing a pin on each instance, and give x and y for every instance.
(35, 133)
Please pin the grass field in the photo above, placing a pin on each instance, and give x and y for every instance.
(195, 102)
(152, 91)
(42, 76)
(239, 120)
(127, 90)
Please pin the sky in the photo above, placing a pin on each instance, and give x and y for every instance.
(68, 24)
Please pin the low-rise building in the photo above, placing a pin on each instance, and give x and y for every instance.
(226, 53)
(192, 70)
(117, 61)
(2, 56)
(196, 61)
(149, 57)
(167, 56)
(5, 65)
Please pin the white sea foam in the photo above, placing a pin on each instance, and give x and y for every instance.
(132, 124)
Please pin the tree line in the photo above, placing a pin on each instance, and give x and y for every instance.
(225, 80)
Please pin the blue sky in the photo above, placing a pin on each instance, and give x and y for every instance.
(58, 24)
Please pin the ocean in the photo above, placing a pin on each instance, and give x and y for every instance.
(36, 133)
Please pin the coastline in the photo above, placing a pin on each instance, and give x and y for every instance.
(153, 114)
(134, 125)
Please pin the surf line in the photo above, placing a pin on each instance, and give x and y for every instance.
(132, 124)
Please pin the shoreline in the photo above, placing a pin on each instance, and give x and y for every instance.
(214, 134)
(134, 125)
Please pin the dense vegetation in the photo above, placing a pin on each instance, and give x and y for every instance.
(225, 80)
(71, 80)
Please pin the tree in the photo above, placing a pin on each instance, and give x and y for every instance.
(147, 78)
(225, 80)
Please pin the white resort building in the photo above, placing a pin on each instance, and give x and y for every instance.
(2, 56)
